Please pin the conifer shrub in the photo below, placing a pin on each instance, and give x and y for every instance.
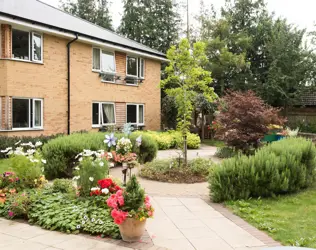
(282, 167)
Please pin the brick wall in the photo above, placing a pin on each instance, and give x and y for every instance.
(6, 34)
(49, 81)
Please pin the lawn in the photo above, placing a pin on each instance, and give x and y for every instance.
(288, 219)
(214, 143)
(3, 165)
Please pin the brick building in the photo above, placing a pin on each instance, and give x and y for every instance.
(61, 74)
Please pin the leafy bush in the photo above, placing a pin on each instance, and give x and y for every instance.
(225, 152)
(285, 166)
(174, 171)
(6, 141)
(172, 139)
(89, 171)
(60, 153)
(58, 211)
(243, 120)
(63, 186)
(28, 172)
(200, 166)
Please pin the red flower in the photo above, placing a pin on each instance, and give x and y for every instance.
(105, 183)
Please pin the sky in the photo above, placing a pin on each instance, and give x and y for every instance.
(299, 12)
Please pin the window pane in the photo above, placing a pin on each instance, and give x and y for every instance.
(20, 113)
(108, 113)
(131, 66)
(37, 47)
(131, 114)
(107, 62)
(37, 113)
(95, 113)
(96, 59)
(141, 114)
(140, 67)
(20, 44)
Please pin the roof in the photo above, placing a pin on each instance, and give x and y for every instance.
(44, 14)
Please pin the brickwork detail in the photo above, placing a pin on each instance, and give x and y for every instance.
(120, 109)
(6, 41)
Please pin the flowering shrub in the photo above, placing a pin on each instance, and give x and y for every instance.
(27, 163)
(105, 187)
(92, 167)
(9, 180)
(17, 205)
(124, 146)
(130, 203)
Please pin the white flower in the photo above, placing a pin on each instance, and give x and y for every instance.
(91, 179)
(35, 160)
(80, 159)
(77, 168)
(105, 191)
(76, 178)
(92, 220)
(44, 161)
(101, 163)
(100, 222)
(6, 150)
(95, 189)
(85, 217)
(38, 144)
(17, 143)
(78, 155)
(78, 226)
(83, 222)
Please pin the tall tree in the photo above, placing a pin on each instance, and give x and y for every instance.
(188, 77)
(154, 23)
(94, 11)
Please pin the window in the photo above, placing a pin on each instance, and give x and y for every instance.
(27, 113)
(103, 113)
(135, 66)
(104, 62)
(135, 114)
(27, 46)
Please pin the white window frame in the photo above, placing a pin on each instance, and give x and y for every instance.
(137, 113)
(42, 114)
(30, 48)
(100, 118)
(31, 126)
(138, 59)
(100, 70)
(32, 52)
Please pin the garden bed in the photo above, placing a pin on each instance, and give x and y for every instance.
(288, 219)
(173, 172)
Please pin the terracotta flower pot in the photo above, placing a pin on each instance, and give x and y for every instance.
(132, 230)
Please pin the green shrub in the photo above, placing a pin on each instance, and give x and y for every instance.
(225, 152)
(60, 153)
(6, 141)
(285, 166)
(200, 166)
(89, 172)
(28, 172)
(172, 139)
(63, 186)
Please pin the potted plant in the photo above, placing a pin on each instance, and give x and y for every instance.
(130, 208)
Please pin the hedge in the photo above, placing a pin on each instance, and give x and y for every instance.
(60, 152)
(6, 141)
(282, 167)
(172, 139)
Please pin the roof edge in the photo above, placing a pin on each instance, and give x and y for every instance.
(62, 30)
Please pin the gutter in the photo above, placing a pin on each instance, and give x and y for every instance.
(68, 81)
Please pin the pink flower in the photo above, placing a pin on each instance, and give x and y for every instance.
(112, 201)
(150, 213)
(10, 213)
(119, 216)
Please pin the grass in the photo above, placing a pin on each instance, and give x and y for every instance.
(214, 143)
(288, 219)
(4, 165)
